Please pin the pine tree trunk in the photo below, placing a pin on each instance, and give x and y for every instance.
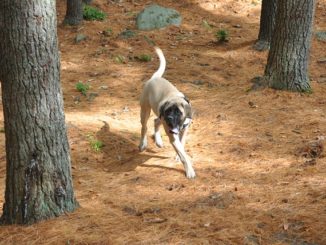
(267, 23)
(38, 172)
(74, 13)
(287, 62)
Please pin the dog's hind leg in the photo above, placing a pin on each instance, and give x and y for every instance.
(144, 116)
(157, 134)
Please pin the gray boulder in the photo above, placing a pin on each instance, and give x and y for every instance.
(156, 17)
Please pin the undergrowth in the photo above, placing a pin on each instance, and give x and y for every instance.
(92, 13)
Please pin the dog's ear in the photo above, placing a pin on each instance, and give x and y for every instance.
(188, 111)
(163, 108)
(186, 99)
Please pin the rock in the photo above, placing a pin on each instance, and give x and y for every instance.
(237, 26)
(92, 96)
(80, 37)
(104, 87)
(321, 35)
(156, 17)
(322, 60)
(198, 82)
(127, 34)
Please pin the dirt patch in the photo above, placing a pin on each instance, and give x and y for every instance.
(252, 186)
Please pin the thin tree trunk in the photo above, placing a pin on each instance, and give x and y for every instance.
(38, 172)
(287, 62)
(74, 13)
(267, 23)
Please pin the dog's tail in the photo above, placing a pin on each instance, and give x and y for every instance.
(161, 69)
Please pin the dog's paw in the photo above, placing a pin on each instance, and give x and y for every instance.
(159, 142)
(142, 147)
(158, 139)
(191, 173)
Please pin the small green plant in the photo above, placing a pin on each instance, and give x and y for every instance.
(144, 57)
(96, 145)
(82, 87)
(222, 35)
(206, 25)
(92, 13)
(108, 32)
(120, 59)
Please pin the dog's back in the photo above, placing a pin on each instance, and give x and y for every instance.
(158, 88)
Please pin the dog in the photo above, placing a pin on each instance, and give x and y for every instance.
(173, 111)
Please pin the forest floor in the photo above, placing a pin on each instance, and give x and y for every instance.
(258, 155)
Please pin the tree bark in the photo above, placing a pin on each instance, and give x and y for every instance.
(87, 1)
(74, 13)
(38, 172)
(267, 23)
(287, 61)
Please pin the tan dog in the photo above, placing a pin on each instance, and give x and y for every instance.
(172, 109)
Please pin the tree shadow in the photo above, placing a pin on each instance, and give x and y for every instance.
(121, 152)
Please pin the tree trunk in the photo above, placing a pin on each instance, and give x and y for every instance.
(267, 23)
(74, 13)
(87, 1)
(38, 172)
(287, 61)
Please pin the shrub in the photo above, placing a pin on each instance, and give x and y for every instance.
(92, 13)
(144, 57)
(108, 32)
(82, 87)
(222, 35)
(96, 145)
(120, 59)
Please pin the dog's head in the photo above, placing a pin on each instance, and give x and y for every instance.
(176, 114)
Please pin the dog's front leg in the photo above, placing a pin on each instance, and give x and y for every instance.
(177, 145)
(183, 134)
